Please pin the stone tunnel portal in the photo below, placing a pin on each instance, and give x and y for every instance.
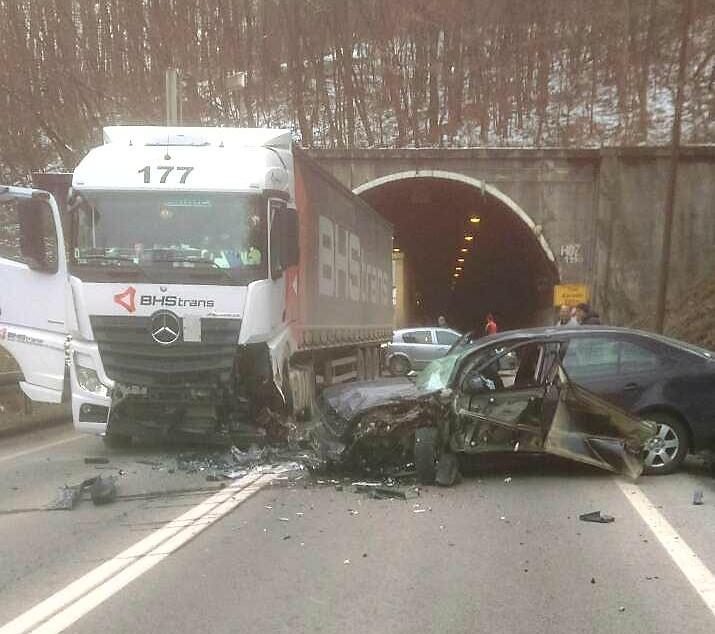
(468, 250)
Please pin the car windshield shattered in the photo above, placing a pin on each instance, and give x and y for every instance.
(436, 375)
(177, 236)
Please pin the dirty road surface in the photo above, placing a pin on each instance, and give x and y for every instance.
(503, 551)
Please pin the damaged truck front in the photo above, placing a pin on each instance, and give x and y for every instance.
(476, 401)
(212, 277)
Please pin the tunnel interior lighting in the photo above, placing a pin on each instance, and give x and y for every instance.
(456, 275)
(464, 250)
(457, 268)
(395, 250)
(475, 220)
(460, 260)
(469, 238)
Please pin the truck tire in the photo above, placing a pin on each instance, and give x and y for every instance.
(117, 441)
(399, 366)
(668, 449)
(426, 454)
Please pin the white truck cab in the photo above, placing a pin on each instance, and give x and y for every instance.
(166, 293)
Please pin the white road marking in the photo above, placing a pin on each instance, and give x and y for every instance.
(68, 605)
(49, 445)
(695, 571)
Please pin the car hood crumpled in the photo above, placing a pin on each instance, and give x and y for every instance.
(352, 399)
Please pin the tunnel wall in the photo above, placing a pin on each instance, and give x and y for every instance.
(599, 210)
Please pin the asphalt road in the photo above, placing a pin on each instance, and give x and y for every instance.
(273, 556)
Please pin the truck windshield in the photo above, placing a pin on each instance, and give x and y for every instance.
(204, 238)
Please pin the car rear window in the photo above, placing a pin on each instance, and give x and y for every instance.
(446, 338)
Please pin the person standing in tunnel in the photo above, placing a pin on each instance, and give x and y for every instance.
(441, 321)
(490, 327)
(566, 316)
(586, 316)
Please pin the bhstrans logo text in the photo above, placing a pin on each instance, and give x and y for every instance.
(174, 301)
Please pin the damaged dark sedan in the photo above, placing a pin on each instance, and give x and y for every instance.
(505, 393)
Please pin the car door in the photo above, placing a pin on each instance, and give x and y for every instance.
(587, 428)
(614, 367)
(521, 405)
(33, 271)
(444, 340)
(417, 345)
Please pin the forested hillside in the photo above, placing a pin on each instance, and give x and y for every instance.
(354, 72)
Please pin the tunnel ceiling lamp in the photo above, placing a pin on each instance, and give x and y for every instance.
(456, 275)
(460, 260)
(458, 268)
(468, 238)
(395, 250)
(475, 220)
(464, 250)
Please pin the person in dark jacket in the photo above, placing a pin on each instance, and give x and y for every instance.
(586, 316)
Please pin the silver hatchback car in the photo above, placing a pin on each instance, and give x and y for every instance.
(413, 348)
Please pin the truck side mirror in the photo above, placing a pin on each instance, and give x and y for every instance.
(38, 240)
(284, 238)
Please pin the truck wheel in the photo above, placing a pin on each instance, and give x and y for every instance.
(117, 441)
(399, 366)
(665, 453)
(426, 454)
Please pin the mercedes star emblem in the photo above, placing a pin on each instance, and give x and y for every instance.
(165, 327)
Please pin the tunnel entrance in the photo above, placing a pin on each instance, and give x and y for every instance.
(468, 250)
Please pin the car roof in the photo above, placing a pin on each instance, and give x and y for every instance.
(556, 332)
(411, 328)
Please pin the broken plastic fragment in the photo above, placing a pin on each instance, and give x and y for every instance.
(597, 517)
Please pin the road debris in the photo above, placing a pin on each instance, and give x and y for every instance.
(507, 480)
(698, 497)
(346, 562)
(96, 460)
(597, 516)
(103, 491)
(284, 519)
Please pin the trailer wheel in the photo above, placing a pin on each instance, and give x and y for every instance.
(426, 454)
(399, 366)
(117, 441)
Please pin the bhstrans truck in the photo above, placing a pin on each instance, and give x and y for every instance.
(189, 279)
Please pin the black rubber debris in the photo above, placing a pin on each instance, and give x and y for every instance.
(597, 517)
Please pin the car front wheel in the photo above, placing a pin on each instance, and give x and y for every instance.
(665, 452)
(426, 454)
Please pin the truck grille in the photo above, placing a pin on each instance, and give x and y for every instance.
(131, 356)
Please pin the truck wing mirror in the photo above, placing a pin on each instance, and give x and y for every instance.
(38, 240)
(284, 239)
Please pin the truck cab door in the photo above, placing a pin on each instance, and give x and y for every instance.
(33, 283)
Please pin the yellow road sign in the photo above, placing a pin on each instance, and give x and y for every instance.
(570, 294)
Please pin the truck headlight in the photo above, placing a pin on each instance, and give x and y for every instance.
(89, 381)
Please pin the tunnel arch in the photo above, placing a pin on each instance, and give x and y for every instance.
(509, 267)
(467, 180)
